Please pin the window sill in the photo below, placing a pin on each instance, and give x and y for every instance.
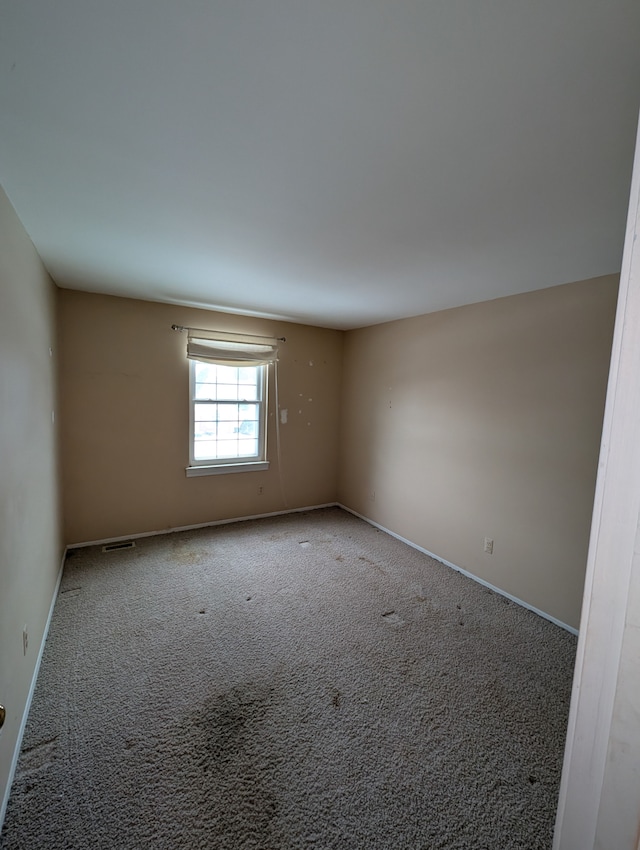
(226, 468)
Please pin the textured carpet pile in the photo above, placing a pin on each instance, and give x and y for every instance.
(298, 682)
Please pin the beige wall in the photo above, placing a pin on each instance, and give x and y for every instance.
(30, 549)
(124, 425)
(485, 420)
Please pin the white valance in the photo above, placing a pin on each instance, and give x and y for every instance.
(227, 353)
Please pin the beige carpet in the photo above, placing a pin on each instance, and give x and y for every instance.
(299, 682)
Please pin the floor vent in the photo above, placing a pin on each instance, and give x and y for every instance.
(113, 547)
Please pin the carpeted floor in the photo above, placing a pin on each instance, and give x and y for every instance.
(304, 681)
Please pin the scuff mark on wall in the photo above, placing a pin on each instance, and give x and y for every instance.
(284, 413)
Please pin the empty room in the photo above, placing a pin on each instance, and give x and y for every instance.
(318, 425)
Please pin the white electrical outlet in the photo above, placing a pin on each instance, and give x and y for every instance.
(488, 545)
(25, 640)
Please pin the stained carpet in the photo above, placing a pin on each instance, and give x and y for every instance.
(304, 681)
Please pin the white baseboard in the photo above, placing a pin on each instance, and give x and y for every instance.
(199, 525)
(464, 572)
(32, 687)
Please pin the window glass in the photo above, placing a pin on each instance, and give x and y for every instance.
(227, 413)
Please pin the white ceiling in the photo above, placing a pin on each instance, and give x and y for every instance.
(337, 162)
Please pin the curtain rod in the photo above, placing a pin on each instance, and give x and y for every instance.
(228, 333)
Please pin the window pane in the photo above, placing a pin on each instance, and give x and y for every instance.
(205, 372)
(204, 449)
(248, 392)
(227, 392)
(227, 448)
(248, 411)
(205, 411)
(206, 390)
(228, 412)
(248, 447)
(248, 375)
(227, 430)
(204, 430)
(248, 428)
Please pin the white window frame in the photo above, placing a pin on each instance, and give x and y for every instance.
(222, 466)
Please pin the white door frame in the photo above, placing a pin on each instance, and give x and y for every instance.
(609, 569)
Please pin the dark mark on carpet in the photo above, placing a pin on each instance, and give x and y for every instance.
(372, 564)
(225, 743)
(226, 719)
(393, 618)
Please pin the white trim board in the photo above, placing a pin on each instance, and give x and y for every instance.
(598, 800)
(140, 534)
(27, 707)
(464, 572)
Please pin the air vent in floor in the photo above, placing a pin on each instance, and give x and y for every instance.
(113, 547)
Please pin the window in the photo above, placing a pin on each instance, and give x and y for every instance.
(227, 421)
(228, 399)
